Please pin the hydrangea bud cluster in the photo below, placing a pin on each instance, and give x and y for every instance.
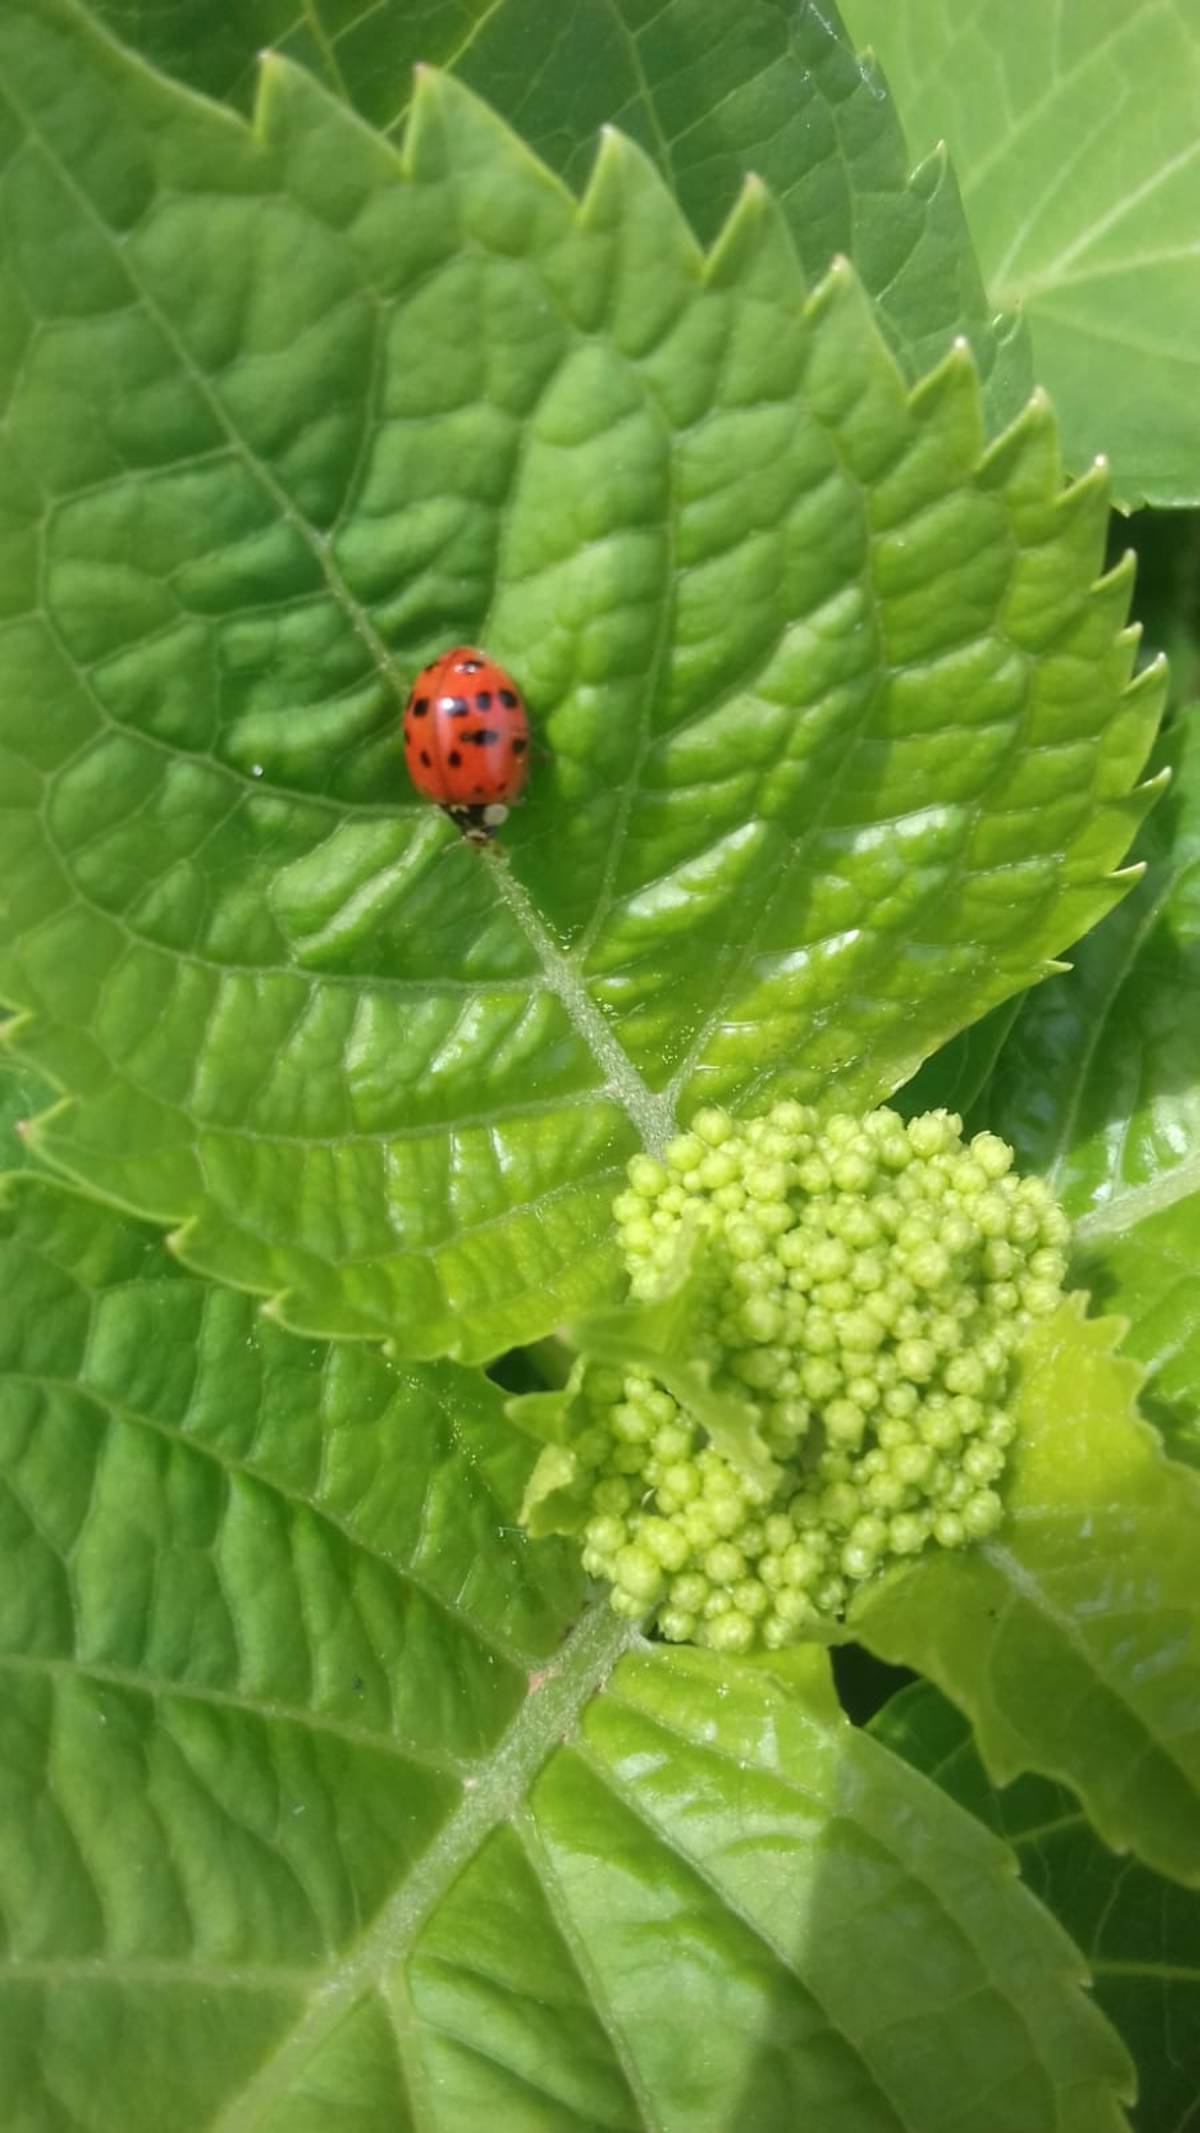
(869, 1282)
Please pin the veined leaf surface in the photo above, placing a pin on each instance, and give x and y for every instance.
(1072, 1641)
(709, 92)
(310, 1818)
(1072, 124)
(842, 744)
(1098, 1087)
(1139, 1932)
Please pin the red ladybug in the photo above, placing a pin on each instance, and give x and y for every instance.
(466, 739)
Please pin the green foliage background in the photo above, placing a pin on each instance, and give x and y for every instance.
(329, 1797)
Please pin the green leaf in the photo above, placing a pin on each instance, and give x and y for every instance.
(1073, 132)
(842, 748)
(666, 1335)
(1166, 598)
(1098, 1088)
(1071, 1641)
(22, 1092)
(708, 93)
(310, 1820)
(1140, 1934)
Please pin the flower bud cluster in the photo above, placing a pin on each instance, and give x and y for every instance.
(869, 1281)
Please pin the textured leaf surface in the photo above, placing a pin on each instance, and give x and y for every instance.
(1072, 125)
(1140, 1934)
(1098, 1087)
(1072, 1642)
(842, 747)
(310, 1820)
(22, 1093)
(709, 93)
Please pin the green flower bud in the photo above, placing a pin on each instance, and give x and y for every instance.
(812, 1175)
(844, 1422)
(724, 1564)
(1040, 1298)
(732, 1633)
(699, 1525)
(908, 1533)
(982, 1513)
(665, 1541)
(676, 1625)
(928, 1266)
(912, 1464)
(646, 1176)
(605, 1534)
(760, 1319)
(854, 1171)
(612, 1494)
(993, 1155)
(685, 1153)
(801, 1563)
(714, 1126)
(637, 1573)
(917, 1360)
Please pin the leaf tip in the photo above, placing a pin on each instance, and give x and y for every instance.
(755, 244)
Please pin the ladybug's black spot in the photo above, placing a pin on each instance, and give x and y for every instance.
(425, 757)
(481, 792)
(483, 736)
(520, 745)
(454, 706)
(469, 666)
(454, 759)
(483, 699)
(509, 699)
(420, 706)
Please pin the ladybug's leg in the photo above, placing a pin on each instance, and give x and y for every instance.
(474, 822)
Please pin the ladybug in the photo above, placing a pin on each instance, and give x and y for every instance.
(466, 739)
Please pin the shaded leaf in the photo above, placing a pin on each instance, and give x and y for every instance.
(1073, 132)
(842, 744)
(310, 1819)
(1140, 1933)
(1098, 1088)
(22, 1093)
(1071, 1641)
(708, 92)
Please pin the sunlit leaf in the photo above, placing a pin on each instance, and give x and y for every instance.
(1072, 1641)
(311, 1820)
(1098, 1087)
(709, 92)
(841, 744)
(1072, 126)
(1139, 1932)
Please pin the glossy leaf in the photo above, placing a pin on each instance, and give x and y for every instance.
(1098, 1087)
(1072, 1641)
(309, 1819)
(1072, 126)
(1140, 1933)
(22, 1093)
(841, 744)
(709, 93)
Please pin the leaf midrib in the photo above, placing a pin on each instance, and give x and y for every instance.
(550, 1713)
(158, 1687)
(401, 1571)
(652, 1115)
